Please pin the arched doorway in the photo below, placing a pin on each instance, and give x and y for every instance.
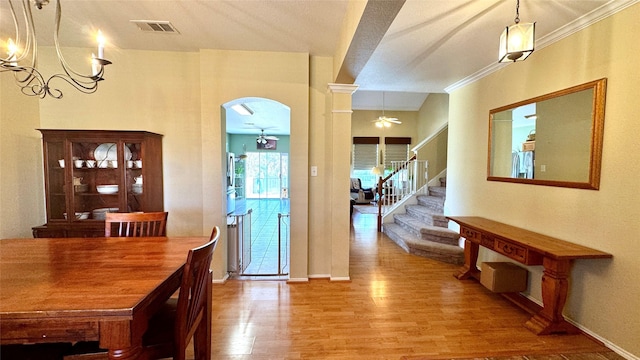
(258, 147)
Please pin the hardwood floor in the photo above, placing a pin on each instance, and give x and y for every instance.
(396, 306)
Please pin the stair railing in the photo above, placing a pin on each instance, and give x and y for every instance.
(405, 179)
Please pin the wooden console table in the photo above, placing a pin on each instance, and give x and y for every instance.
(528, 248)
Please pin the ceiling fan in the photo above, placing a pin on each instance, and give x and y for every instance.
(262, 138)
(383, 121)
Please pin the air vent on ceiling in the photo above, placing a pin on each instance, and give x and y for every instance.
(156, 26)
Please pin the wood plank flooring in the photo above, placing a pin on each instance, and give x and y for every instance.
(396, 306)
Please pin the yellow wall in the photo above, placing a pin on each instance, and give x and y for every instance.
(433, 115)
(604, 294)
(145, 90)
(284, 77)
(320, 156)
(179, 95)
(433, 118)
(362, 125)
(21, 173)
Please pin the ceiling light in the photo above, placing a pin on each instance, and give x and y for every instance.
(383, 121)
(242, 109)
(25, 50)
(517, 41)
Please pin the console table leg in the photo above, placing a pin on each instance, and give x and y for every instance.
(469, 268)
(555, 287)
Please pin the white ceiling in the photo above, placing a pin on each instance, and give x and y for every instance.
(430, 46)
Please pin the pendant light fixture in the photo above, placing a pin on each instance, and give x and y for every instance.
(22, 57)
(517, 41)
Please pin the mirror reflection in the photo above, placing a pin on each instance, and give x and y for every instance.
(555, 139)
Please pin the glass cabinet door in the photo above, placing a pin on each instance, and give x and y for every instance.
(55, 171)
(95, 179)
(133, 177)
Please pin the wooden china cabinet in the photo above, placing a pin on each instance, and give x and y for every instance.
(88, 173)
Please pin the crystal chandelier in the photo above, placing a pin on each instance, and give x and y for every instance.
(517, 41)
(22, 57)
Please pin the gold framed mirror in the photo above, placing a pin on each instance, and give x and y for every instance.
(553, 139)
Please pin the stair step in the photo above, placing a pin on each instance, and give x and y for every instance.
(433, 202)
(440, 234)
(425, 231)
(427, 216)
(422, 213)
(439, 191)
(451, 254)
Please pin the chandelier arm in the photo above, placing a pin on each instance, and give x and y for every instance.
(16, 30)
(8, 59)
(33, 85)
(30, 47)
(73, 82)
(30, 43)
(67, 69)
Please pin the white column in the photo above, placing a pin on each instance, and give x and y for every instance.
(339, 183)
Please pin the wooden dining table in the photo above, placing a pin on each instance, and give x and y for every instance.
(88, 289)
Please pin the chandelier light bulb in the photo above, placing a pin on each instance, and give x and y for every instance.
(12, 50)
(101, 40)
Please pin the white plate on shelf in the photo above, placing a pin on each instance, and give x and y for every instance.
(108, 152)
(107, 189)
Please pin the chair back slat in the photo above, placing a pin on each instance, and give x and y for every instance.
(135, 224)
(194, 296)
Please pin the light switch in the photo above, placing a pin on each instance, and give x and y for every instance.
(314, 171)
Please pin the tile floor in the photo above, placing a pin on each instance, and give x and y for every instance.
(264, 236)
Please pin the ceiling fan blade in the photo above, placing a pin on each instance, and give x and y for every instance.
(395, 121)
(269, 137)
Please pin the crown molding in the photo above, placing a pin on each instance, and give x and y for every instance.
(612, 7)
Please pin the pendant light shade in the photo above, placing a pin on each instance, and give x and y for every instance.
(517, 41)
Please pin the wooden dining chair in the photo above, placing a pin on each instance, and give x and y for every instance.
(189, 316)
(180, 319)
(135, 224)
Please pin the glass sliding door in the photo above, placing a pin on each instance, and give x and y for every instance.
(267, 175)
(267, 193)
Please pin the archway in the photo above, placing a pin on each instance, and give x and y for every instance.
(258, 147)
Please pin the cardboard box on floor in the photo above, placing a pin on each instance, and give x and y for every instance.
(502, 277)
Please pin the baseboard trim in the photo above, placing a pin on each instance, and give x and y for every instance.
(618, 350)
(223, 280)
(320, 276)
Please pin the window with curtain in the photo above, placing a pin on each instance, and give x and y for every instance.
(364, 157)
(396, 149)
(365, 153)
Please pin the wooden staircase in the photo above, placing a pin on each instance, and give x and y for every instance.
(422, 229)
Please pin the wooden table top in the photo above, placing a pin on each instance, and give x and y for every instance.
(85, 277)
(546, 245)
